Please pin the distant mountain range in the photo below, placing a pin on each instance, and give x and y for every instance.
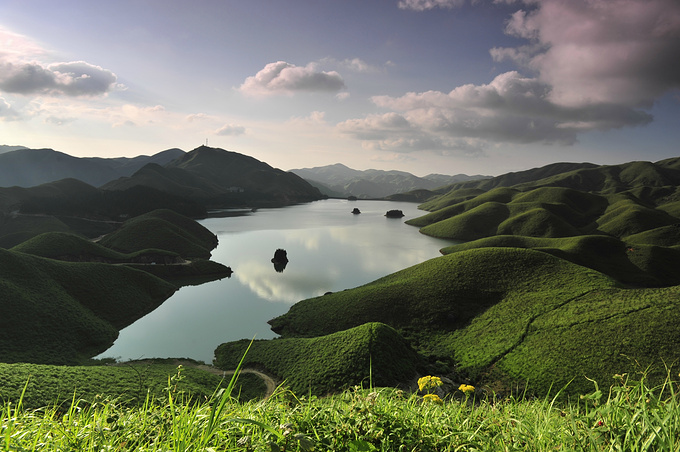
(22, 167)
(340, 181)
(189, 183)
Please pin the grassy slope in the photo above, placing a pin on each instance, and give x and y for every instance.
(162, 229)
(48, 385)
(57, 245)
(496, 311)
(329, 363)
(630, 262)
(59, 312)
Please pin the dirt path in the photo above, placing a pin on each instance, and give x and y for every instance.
(268, 381)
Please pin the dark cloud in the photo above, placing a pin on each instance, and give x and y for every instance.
(625, 52)
(286, 78)
(510, 109)
(597, 65)
(76, 78)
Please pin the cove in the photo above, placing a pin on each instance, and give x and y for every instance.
(329, 249)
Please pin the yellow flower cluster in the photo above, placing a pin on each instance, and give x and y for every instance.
(432, 398)
(466, 388)
(429, 382)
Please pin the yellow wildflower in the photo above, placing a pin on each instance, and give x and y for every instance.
(429, 382)
(432, 398)
(466, 388)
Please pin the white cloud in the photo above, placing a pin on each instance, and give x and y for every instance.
(7, 113)
(422, 5)
(230, 130)
(285, 78)
(57, 121)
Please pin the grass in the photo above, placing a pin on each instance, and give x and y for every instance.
(630, 415)
(68, 246)
(128, 383)
(500, 316)
(165, 230)
(329, 363)
(60, 312)
(629, 262)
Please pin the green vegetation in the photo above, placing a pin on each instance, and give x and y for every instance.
(128, 383)
(627, 262)
(553, 273)
(70, 247)
(326, 364)
(632, 415)
(526, 315)
(162, 229)
(64, 298)
(61, 312)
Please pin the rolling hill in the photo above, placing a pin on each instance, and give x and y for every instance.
(64, 298)
(566, 273)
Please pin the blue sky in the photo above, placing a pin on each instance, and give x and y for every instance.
(425, 86)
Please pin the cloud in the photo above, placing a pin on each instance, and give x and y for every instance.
(76, 78)
(594, 65)
(57, 121)
(510, 109)
(422, 5)
(7, 113)
(285, 78)
(354, 65)
(230, 130)
(625, 52)
(23, 71)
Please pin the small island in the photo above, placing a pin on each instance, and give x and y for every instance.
(394, 214)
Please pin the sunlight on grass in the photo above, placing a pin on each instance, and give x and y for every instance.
(629, 416)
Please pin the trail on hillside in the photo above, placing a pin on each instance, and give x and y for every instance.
(269, 382)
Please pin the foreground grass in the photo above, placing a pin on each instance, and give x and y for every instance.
(631, 416)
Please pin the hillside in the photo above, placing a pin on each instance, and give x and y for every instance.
(567, 272)
(30, 167)
(61, 312)
(70, 205)
(507, 316)
(339, 180)
(64, 298)
(219, 178)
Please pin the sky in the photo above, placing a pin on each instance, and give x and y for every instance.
(424, 86)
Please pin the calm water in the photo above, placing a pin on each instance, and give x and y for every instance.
(329, 249)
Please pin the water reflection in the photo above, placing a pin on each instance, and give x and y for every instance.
(328, 248)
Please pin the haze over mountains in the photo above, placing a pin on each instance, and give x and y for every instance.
(339, 180)
(23, 167)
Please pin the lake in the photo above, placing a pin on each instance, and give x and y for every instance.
(329, 249)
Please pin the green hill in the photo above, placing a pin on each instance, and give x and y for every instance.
(505, 316)
(164, 230)
(70, 247)
(59, 312)
(129, 384)
(372, 353)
